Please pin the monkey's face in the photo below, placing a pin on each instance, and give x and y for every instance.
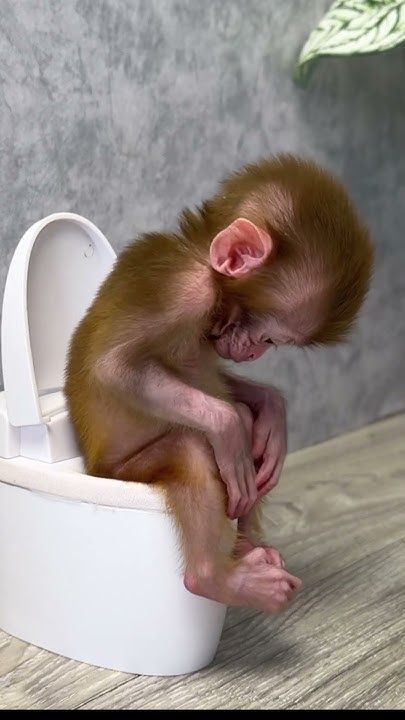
(238, 344)
(240, 334)
(247, 338)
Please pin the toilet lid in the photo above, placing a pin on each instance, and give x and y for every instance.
(54, 275)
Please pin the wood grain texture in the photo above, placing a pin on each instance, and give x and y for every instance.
(338, 517)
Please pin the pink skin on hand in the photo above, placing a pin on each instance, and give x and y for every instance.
(245, 544)
(269, 439)
(250, 452)
(232, 447)
(268, 431)
(269, 436)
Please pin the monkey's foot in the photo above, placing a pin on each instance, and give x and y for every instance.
(245, 546)
(250, 582)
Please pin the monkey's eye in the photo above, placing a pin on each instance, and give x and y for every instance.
(269, 341)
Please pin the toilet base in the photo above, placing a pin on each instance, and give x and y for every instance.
(100, 584)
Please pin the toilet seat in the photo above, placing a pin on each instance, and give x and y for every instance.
(54, 275)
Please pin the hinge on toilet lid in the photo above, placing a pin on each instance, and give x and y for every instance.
(51, 441)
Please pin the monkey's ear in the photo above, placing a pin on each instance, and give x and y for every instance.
(240, 248)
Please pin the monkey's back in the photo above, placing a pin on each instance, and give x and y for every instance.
(131, 306)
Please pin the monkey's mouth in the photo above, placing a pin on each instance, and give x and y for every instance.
(230, 347)
(233, 343)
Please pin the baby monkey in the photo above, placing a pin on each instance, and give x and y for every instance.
(277, 257)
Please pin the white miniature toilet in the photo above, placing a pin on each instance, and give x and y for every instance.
(90, 568)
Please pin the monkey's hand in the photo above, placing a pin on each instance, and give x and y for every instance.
(269, 443)
(233, 454)
(269, 433)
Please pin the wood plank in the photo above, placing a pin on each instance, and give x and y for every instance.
(338, 517)
(276, 662)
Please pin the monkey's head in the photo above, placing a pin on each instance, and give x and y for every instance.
(292, 259)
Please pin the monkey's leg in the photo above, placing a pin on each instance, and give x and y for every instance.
(250, 535)
(182, 464)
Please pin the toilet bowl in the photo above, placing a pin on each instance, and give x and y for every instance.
(90, 568)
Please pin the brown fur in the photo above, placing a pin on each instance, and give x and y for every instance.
(160, 301)
(315, 227)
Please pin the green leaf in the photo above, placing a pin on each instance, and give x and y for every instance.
(353, 27)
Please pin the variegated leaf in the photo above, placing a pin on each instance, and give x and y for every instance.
(353, 27)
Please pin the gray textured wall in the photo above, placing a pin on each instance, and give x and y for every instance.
(127, 110)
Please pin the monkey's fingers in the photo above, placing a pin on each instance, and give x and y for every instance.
(275, 475)
(267, 469)
(261, 438)
(233, 500)
(245, 502)
(236, 491)
(273, 556)
(250, 474)
(288, 590)
(247, 489)
(268, 485)
(283, 576)
(294, 582)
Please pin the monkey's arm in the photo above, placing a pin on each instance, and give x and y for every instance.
(269, 436)
(152, 388)
(253, 394)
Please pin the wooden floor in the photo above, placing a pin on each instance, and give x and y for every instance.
(339, 519)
